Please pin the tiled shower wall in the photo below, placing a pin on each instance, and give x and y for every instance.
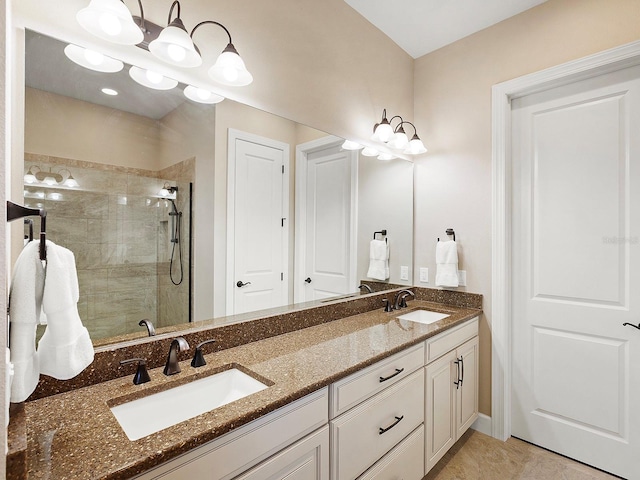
(118, 229)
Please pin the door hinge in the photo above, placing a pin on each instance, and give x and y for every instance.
(282, 222)
(281, 277)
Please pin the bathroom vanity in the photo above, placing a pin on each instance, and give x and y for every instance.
(366, 396)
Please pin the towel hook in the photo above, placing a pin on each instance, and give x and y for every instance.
(381, 232)
(15, 211)
(450, 231)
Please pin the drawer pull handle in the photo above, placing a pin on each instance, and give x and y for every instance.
(382, 430)
(398, 372)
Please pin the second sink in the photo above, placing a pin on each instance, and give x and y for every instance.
(144, 416)
(423, 316)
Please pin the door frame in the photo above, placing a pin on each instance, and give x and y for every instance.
(234, 135)
(302, 154)
(501, 267)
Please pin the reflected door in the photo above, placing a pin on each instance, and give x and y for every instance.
(576, 277)
(257, 235)
(327, 190)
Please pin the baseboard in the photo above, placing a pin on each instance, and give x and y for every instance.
(482, 424)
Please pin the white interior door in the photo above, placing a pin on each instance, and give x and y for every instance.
(257, 228)
(576, 270)
(326, 203)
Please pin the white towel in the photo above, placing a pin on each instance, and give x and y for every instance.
(447, 264)
(378, 260)
(65, 349)
(25, 305)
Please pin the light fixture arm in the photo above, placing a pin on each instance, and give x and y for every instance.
(215, 23)
(415, 132)
(176, 2)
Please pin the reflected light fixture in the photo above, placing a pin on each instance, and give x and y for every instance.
(50, 178)
(92, 60)
(386, 156)
(370, 152)
(201, 95)
(151, 79)
(350, 145)
(112, 21)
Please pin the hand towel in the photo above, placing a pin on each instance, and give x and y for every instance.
(65, 349)
(25, 305)
(378, 260)
(447, 264)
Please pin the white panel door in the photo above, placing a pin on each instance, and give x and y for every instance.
(576, 271)
(328, 209)
(258, 260)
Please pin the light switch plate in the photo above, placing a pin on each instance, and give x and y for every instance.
(462, 278)
(424, 275)
(404, 272)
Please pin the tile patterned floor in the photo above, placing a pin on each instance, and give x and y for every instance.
(480, 457)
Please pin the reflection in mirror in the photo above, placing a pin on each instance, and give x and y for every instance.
(267, 212)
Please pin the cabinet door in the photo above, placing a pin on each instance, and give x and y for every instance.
(308, 459)
(440, 405)
(467, 394)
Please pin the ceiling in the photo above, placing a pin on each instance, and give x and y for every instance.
(422, 26)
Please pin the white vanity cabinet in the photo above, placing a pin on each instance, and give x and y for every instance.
(377, 423)
(281, 438)
(451, 377)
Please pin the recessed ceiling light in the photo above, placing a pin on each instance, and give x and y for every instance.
(109, 91)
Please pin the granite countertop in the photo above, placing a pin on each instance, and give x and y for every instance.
(74, 435)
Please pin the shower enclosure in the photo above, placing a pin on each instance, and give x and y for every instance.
(130, 232)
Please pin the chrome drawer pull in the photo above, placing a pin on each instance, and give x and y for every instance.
(398, 372)
(382, 430)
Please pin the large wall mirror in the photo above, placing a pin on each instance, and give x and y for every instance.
(181, 212)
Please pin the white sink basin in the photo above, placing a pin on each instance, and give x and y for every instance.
(423, 316)
(153, 413)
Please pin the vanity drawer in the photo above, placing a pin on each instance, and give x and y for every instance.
(406, 461)
(451, 339)
(237, 451)
(356, 388)
(365, 433)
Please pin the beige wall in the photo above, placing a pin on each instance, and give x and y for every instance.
(65, 127)
(453, 112)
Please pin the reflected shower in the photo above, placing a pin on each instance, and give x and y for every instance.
(176, 222)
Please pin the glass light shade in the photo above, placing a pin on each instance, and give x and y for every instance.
(370, 152)
(386, 156)
(415, 147)
(29, 177)
(163, 192)
(92, 60)
(70, 182)
(383, 132)
(110, 20)
(229, 69)
(49, 181)
(201, 95)
(54, 196)
(174, 46)
(349, 145)
(399, 140)
(151, 79)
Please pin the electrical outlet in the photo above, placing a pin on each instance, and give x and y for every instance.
(404, 272)
(462, 278)
(424, 275)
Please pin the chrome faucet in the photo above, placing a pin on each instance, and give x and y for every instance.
(401, 297)
(178, 344)
(147, 323)
(363, 286)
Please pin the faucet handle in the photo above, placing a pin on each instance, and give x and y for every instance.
(387, 305)
(198, 358)
(141, 376)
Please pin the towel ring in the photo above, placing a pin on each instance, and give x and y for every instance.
(450, 231)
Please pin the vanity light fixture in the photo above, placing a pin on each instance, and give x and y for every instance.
(370, 152)
(151, 79)
(201, 95)
(111, 20)
(396, 138)
(50, 177)
(92, 60)
(386, 156)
